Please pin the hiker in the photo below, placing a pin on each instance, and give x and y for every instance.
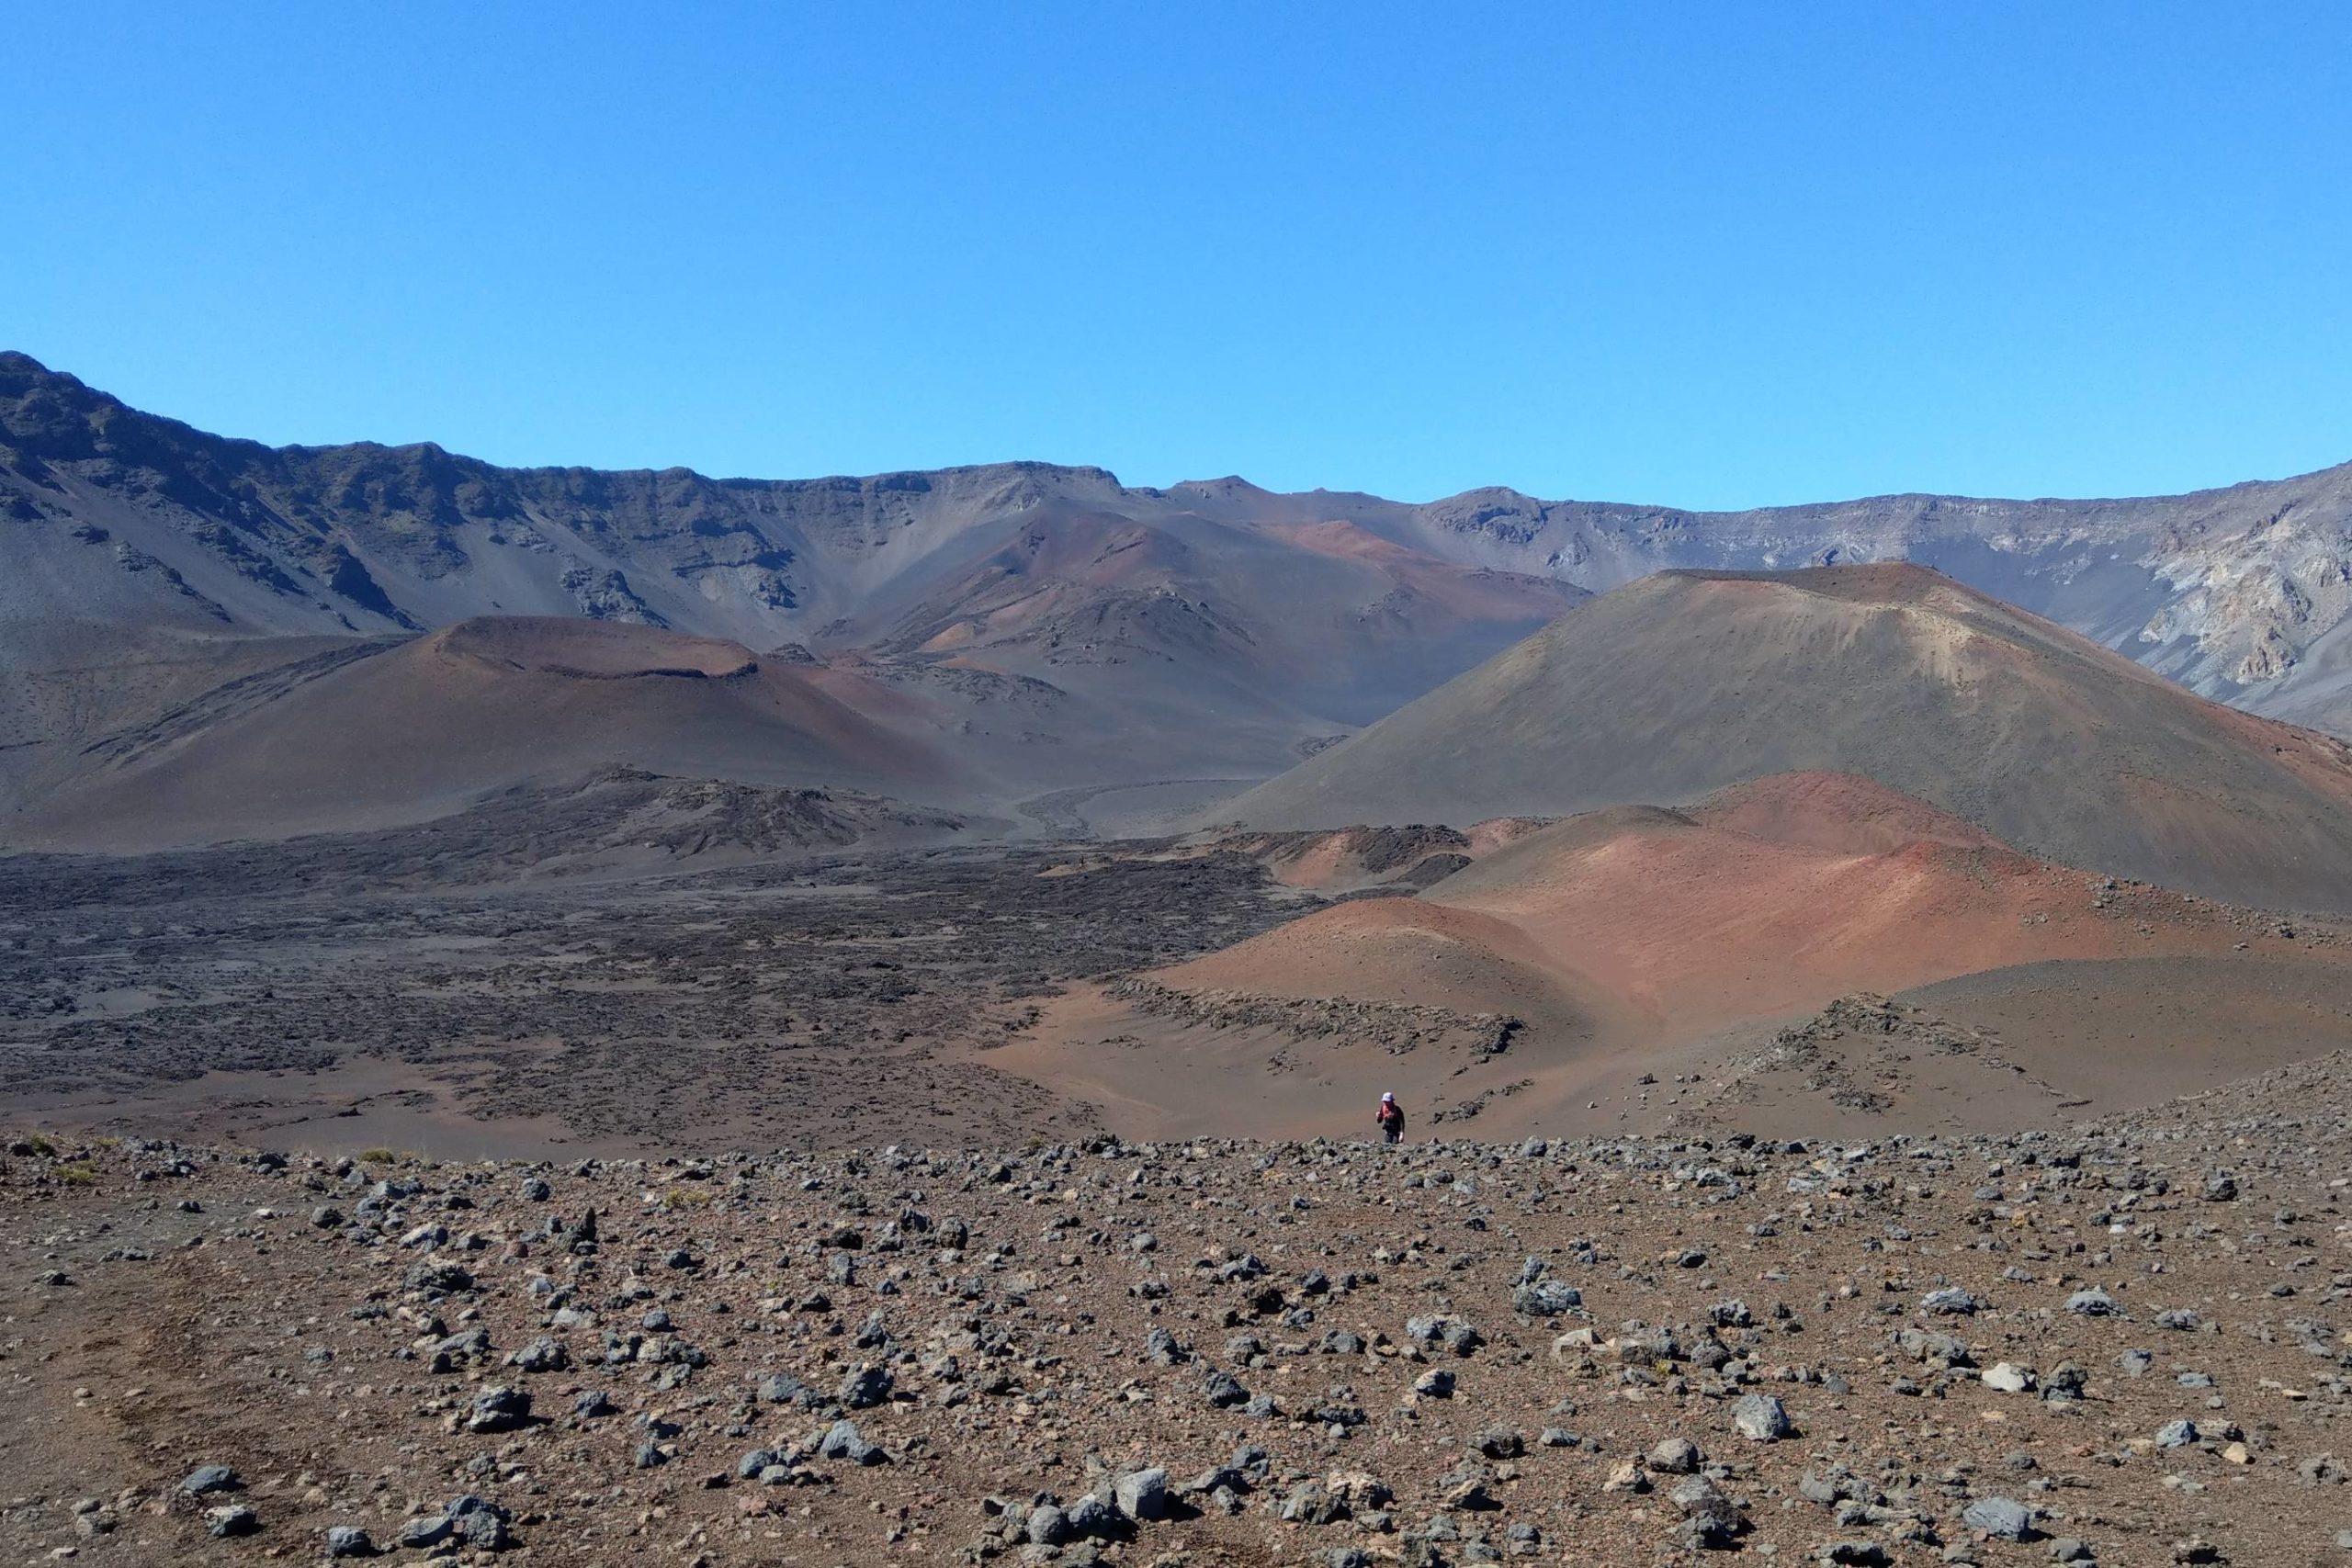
(1391, 1117)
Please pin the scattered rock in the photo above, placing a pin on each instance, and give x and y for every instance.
(231, 1519)
(1761, 1418)
(500, 1409)
(349, 1540)
(208, 1478)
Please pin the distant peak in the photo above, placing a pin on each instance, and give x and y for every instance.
(20, 372)
(1231, 484)
(1488, 495)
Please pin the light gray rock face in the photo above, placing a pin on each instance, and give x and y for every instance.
(2005, 1378)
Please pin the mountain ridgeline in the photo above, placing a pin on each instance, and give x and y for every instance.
(2239, 593)
(213, 638)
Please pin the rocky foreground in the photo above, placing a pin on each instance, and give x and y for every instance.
(2125, 1344)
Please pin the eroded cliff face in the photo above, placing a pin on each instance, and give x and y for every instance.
(2226, 591)
(2256, 596)
(108, 514)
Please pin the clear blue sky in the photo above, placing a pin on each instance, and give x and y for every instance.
(1711, 255)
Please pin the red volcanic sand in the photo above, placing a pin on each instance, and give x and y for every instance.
(1644, 940)
(1391, 950)
(1768, 898)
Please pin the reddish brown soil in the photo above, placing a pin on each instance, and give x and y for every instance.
(1640, 940)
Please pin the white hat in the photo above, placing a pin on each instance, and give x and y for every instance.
(1390, 1095)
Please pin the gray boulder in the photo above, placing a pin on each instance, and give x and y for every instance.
(206, 1479)
(2003, 1518)
(541, 1355)
(499, 1409)
(1761, 1418)
(1675, 1456)
(1710, 1519)
(842, 1441)
(1221, 1389)
(866, 1387)
(1047, 1526)
(1142, 1494)
(1311, 1503)
(478, 1522)
(1093, 1518)
(230, 1519)
(1546, 1298)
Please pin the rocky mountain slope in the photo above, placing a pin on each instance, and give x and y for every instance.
(116, 516)
(2239, 594)
(1067, 632)
(1685, 683)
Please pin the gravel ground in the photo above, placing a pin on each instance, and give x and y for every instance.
(2124, 1343)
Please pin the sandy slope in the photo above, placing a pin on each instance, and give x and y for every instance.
(1676, 942)
(424, 727)
(1771, 897)
(1685, 683)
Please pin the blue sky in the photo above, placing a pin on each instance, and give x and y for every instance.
(1709, 255)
